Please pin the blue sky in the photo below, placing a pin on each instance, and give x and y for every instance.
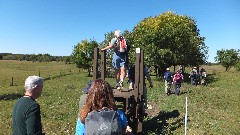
(55, 26)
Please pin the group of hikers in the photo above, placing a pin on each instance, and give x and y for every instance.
(98, 113)
(177, 78)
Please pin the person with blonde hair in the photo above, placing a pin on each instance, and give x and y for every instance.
(119, 59)
(100, 96)
(26, 118)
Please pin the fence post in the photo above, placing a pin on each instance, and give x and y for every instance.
(11, 82)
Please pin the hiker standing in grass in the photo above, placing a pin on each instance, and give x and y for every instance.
(168, 81)
(194, 76)
(119, 44)
(203, 76)
(177, 81)
(26, 118)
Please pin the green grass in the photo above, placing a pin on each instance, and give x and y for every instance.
(211, 110)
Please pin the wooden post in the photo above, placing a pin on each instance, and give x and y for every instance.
(95, 64)
(103, 65)
(11, 82)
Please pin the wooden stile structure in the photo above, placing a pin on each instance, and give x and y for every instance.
(132, 100)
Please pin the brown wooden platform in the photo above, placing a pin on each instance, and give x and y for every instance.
(125, 93)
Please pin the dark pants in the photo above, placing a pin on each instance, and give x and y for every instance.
(177, 87)
(193, 80)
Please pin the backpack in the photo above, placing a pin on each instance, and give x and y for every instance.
(167, 76)
(204, 74)
(103, 122)
(178, 78)
(194, 74)
(122, 44)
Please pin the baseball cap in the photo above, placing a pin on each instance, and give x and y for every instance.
(86, 89)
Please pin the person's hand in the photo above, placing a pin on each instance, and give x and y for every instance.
(129, 131)
(102, 49)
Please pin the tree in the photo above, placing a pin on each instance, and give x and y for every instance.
(170, 39)
(83, 54)
(227, 58)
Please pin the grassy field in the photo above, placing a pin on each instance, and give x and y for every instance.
(212, 110)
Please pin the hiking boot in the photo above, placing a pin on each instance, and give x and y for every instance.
(121, 83)
(131, 86)
(149, 107)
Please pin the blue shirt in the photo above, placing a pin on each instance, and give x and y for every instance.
(80, 127)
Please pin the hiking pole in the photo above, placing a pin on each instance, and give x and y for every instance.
(186, 118)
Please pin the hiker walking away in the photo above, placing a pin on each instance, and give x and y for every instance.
(119, 44)
(203, 76)
(168, 81)
(131, 79)
(26, 118)
(99, 115)
(177, 81)
(194, 76)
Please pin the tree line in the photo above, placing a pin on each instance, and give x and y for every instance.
(35, 57)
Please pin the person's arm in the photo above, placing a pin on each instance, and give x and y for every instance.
(33, 122)
(82, 100)
(107, 47)
(123, 121)
(80, 128)
(110, 45)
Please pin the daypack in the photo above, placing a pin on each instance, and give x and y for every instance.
(167, 76)
(122, 44)
(178, 78)
(103, 122)
(194, 74)
(204, 74)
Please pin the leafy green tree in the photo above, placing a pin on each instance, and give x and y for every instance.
(170, 39)
(237, 65)
(227, 57)
(83, 54)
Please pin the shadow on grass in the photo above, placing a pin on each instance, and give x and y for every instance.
(12, 96)
(160, 124)
(58, 76)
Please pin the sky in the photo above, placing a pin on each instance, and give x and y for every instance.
(56, 26)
